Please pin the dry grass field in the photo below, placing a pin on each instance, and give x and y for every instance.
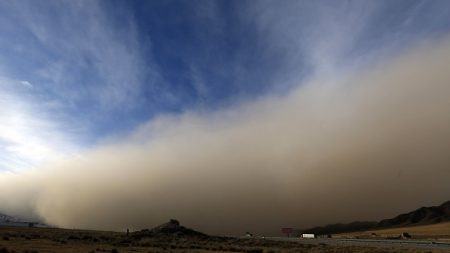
(51, 240)
(435, 231)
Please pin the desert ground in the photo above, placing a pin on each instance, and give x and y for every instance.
(52, 240)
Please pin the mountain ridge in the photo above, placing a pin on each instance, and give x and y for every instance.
(11, 221)
(420, 216)
(6, 218)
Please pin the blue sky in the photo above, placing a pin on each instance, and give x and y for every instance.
(75, 73)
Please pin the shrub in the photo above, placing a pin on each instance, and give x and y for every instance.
(86, 237)
(254, 251)
(73, 237)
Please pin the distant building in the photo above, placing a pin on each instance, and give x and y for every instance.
(309, 236)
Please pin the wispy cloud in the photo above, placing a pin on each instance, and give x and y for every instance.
(78, 65)
(329, 39)
(77, 52)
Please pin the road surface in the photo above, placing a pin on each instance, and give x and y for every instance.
(422, 244)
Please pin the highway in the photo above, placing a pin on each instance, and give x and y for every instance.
(406, 243)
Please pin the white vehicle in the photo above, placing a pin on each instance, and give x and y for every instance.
(308, 236)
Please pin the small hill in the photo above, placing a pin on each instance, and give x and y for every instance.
(169, 229)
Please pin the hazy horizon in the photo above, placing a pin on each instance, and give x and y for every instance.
(232, 117)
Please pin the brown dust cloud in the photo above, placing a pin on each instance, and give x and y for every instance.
(364, 147)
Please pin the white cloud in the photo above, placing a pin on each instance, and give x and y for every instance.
(29, 136)
(26, 84)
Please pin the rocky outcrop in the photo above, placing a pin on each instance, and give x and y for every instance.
(169, 229)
